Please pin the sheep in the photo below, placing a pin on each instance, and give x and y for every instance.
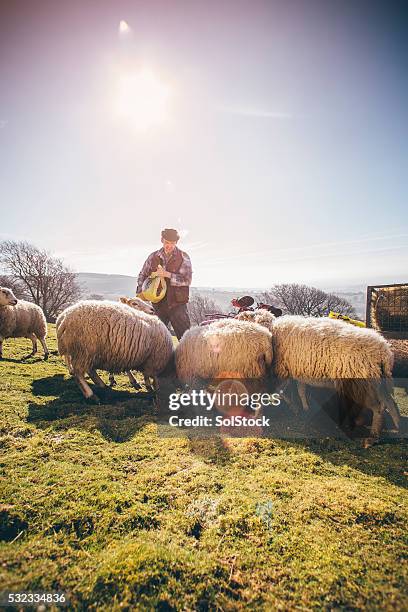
(114, 337)
(261, 316)
(400, 350)
(317, 351)
(138, 304)
(223, 349)
(21, 319)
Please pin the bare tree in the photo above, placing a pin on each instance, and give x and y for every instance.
(199, 306)
(44, 279)
(95, 296)
(14, 285)
(306, 301)
(339, 304)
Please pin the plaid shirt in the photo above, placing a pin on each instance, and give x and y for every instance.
(179, 279)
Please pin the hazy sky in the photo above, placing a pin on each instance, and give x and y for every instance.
(274, 135)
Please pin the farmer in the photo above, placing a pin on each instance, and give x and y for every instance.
(174, 266)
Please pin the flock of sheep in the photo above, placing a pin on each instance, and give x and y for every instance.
(127, 335)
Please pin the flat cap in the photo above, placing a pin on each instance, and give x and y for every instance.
(170, 234)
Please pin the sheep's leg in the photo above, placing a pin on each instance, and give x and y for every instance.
(155, 390)
(390, 404)
(293, 402)
(112, 381)
(68, 363)
(301, 387)
(1, 348)
(376, 426)
(97, 379)
(133, 380)
(85, 388)
(45, 348)
(33, 339)
(377, 423)
(153, 386)
(148, 384)
(393, 412)
(286, 396)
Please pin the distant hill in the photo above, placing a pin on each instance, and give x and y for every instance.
(112, 286)
(109, 286)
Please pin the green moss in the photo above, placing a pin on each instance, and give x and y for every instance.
(96, 504)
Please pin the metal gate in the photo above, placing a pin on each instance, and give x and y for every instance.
(387, 309)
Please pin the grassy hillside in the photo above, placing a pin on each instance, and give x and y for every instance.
(95, 504)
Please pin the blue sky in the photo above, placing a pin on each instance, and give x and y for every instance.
(282, 156)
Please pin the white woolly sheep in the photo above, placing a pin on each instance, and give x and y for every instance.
(315, 350)
(21, 319)
(138, 304)
(223, 349)
(114, 337)
(261, 316)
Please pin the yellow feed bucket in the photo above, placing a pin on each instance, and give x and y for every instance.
(153, 289)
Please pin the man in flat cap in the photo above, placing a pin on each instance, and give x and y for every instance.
(174, 265)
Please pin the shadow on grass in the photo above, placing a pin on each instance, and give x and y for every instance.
(320, 431)
(27, 359)
(387, 459)
(213, 450)
(123, 413)
(119, 416)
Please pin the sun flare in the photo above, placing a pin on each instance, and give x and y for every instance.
(142, 99)
(124, 27)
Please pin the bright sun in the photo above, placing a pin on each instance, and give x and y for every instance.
(142, 99)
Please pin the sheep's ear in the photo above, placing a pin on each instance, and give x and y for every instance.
(124, 300)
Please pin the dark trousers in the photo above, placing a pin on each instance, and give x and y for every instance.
(178, 316)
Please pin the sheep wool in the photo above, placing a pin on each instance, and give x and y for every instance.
(261, 316)
(224, 348)
(322, 351)
(400, 350)
(21, 319)
(111, 336)
(308, 347)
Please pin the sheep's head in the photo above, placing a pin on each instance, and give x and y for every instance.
(7, 297)
(260, 316)
(138, 304)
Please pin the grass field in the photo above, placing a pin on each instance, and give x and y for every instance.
(94, 503)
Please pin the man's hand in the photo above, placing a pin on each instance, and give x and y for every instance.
(162, 272)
